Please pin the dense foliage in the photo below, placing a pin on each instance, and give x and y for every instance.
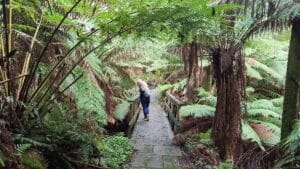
(68, 71)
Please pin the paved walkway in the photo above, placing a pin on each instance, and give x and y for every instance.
(152, 140)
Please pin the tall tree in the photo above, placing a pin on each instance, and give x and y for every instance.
(292, 84)
(249, 18)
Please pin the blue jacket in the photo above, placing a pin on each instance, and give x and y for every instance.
(144, 96)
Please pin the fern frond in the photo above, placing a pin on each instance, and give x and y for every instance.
(209, 100)
(262, 68)
(180, 85)
(201, 92)
(85, 150)
(31, 141)
(293, 140)
(249, 133)
(253, 73)
(272, 120)
(263, 112)
(90, 100)
(250, 90)
(290, 146)
(164, 87)
(268, 132)
(22, 148)
(126, 81)
(261, 104)
(271, 126)
(121, 110)
(265, 134)
(197, 110)
(277, 102)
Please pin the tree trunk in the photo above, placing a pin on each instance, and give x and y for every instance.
(185, 57)
(227, 122)
(194, 73)
(292, 84)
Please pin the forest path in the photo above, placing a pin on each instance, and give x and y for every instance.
(152, 140)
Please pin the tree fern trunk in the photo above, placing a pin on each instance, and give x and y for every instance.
(185, 57)
(227, 123)
(194, 73)
(292, 84)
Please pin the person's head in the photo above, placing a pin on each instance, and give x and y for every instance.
(141, 83)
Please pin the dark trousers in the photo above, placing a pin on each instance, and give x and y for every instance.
(145, 105)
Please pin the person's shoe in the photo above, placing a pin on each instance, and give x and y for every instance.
(146, 119)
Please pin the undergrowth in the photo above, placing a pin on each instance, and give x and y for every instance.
(114, 151)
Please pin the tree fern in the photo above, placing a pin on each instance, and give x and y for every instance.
(197, 110)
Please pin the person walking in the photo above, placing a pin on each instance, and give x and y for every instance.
(144, 97)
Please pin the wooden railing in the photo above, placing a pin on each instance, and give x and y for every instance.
(132, 115)
(171, 105)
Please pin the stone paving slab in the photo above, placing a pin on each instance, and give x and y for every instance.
(167, 150)
(147, 160)
(143, 148)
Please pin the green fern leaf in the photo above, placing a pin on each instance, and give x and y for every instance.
(197, 110)
(249, 133)
(278, 102)
(263, 112)
(294, 138)
(121, 110)
(164, 87)
(209, 100)
(201, 92)
(264, 69)
(272, 127)
(252, 73)
(180, 85)
(22, 148)
(261, 104)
